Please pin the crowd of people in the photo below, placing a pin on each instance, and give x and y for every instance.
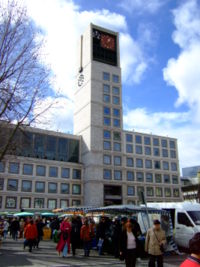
(120, 237)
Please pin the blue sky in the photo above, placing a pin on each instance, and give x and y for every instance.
(160, 55)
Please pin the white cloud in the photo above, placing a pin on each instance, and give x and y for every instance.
(140, 6)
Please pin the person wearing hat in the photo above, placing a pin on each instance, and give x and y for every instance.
(154, 244)
(194, 246)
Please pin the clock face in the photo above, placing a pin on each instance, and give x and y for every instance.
(104, 47)
(80, 80)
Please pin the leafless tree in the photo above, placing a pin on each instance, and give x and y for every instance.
(24, 79)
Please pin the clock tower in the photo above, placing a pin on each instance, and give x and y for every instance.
(98, 115)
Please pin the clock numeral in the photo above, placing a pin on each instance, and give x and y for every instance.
(81, 80)
(96, 34)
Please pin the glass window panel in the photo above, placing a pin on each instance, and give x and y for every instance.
(116, 123)
(28, 169)
(172, 144)
(116, 135)
(39, 203)
(76, 174)
(156, 152)
(129, 138)
(117, 146)
(129, 162)
(107, 145)
(106, 98)
(165, 165)
(115, 90)
(176, 192)
(106, 134)
(139, 163)
(155, 141)
(173, 166)
(147, 140)
(138, 149)
(158, 178)
(168, 192)
(147, 150)
(116, 112)
(63, 149)
(166, 178)
(53, 171)
(40, 170)
(165, 153)
(12, 185)
(164, 142)
(25, 203)
(159, 192)
(65, 172)
(130, 190)
(107, 159)
(76, 202)
(150, 192)
(138, 139)
(73, 150)
(148, 164)
(64, 203)
(116, 100)
(52, 188)
(107, 174)
(2, 166)
(140, 176)
(13, 167)
(117, 160)
(149, 177)
(11, 202)
(76, 189)
(106, 76)
(106, 121)
(1, 183)
(157, 164)
(106, 111)
(52, 204)
(140, 189)
(39, 187)
(39, 147)
(173, 154)
(115, 78)
(117, 175)
(174, 179)
(64, 189)
(106, 88)
(51, 143)
(129, 148)
(26, 186)
(130, 176)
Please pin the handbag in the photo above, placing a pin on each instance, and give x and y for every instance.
(162, 248)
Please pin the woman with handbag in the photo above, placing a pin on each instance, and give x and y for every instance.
(128, 245)
(64, 242)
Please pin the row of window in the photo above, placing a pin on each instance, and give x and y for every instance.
(38, 203)
(27, 169)
(141, 177)
(107, 99)
(139, 163)
(107, 122)
(27, 186)
(107, 76)
(147, 140)
(151, 192)
(115, 90)
(115, 112)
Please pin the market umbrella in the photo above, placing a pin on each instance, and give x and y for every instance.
(23, 214)
(48, 214)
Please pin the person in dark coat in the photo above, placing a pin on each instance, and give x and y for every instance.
(14, 228)
(101, 233)
(128, 245)
(75, 234)
(40, 225)
(116, 237)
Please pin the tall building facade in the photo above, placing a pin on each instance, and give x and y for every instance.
(101, 163)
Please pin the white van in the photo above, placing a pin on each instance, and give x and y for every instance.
(185, 219)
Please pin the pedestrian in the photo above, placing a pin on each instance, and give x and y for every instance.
(87, 233)
(75, 235)
(194, 246)
(21, 226)
(116, 237)
(5, 229)
(128, 245)
(154, 244)
(40, 225)
(30, 234)
(101, 233)
(1, 229)
(14, 228)
(64, 241)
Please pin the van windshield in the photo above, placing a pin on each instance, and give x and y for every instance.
(195, 216)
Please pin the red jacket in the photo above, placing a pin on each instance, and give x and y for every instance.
(31, 231)
(87, 232)
(191, 262)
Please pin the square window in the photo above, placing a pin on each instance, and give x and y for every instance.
(107, 159)
(165, 153)
(117, 175)
(39, 203)
(155, 141)
(138, 139)
(12, 185)
(53, 171)
(158, 178)
(148, 164)
(167, 192)
(39, 187)
(172, 144)
(106, 134)
(165, 165)
(130, 176)
(176, 192)
(115, 90)
(159, 192)
(28, 169)
(40, 170)
(140, 176)
(147, 150)
(52, 204)
(76, 189)
(107, 145)
(129, 162)
(164, 142)
(1, 183)
(64, 188)
(117, 146)
(174, 179)
(2, 166)
(150, 192)
(156, 152)
(64, 203)
(65, 172)
(117, 136)
(76, 174)
(11, 202)
(116, 123)
(166, 179)
(129, 138)
(107, 174)
(157, 164)
(173, 154)
(13, 167)
(138, 150)
(106, 98)
(140, 189)
(117, 160)
(139, 163)
(52, 188)
(106, 88)
(173, 166)
(76, 202)
(129, 148)
(26, 186)
(25, 203)
(115, 78)
(106, 121)
(116, 112)
(106, 111)
(130, 190)
(106, 76)
(147, 140)
(149, 177)
(116, 100)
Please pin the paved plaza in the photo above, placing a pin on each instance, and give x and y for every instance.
(12, 254)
